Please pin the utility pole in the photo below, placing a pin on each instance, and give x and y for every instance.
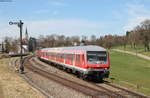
(3, 50)
(20, 25)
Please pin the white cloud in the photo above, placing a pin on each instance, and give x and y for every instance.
(10, 31)
(45, 11)
(134, 22)
(67, 27)
(136, 13)
(42, 11)
(55, 12)
(56, 3)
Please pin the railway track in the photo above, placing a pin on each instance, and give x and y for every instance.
(120, 90)
(102, 92)
(71, 84)
(136, 95)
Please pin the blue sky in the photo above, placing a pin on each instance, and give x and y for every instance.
(72, 17)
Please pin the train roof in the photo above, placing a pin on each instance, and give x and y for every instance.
(86, 48)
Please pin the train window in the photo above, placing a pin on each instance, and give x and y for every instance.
(69, 57)
(77, 58)
(82, 57)
(57, 55)
(97, 57)
(66, 56)
(50, 54)
(63, 56)
(60, 56)
(53, 55)
(72, 57)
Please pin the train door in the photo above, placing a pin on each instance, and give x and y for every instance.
(82, 61)
(77, 60)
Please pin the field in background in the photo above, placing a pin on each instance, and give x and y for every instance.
(139, 49)
(130, 71)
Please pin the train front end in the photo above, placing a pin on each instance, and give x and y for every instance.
(98, 64)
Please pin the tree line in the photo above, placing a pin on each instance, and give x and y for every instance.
(140, 35)
(53, 40)
(107, 41)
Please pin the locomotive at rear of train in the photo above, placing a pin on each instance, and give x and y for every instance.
(86, 61)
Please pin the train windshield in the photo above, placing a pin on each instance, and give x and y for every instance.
(94, 57)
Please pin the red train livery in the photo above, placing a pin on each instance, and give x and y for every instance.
(86, 61)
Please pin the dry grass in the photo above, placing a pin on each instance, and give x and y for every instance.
(1, 91)
(13, 86)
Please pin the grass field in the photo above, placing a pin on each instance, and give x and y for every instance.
(140, 49)
(130, 71)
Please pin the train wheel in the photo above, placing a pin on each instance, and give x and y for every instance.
(78, 74)
(99, 79)
(64, 68)
(84, 77)
(68, 70)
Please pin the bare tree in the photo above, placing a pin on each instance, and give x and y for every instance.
(75, 40)
(11, 45)
(93, 40)
(145, 33)
(7, 44)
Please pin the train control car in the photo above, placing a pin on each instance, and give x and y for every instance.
(87, 61)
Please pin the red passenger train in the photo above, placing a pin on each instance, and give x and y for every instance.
(86, 61)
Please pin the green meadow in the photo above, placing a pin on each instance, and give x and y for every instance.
(130, 71)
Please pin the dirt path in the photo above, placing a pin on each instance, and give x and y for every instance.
(132, 53)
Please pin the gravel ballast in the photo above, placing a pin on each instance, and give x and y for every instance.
(53, 89)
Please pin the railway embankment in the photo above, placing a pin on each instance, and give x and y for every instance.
(12, 85)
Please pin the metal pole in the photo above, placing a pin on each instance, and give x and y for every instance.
(2, 47)
(20, 24)
(21, 58)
